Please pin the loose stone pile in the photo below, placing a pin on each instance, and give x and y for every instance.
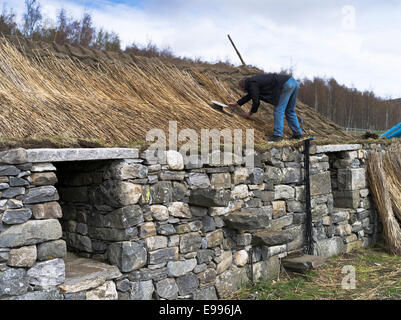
(173, 230)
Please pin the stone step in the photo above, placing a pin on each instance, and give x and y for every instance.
(303, 263)
(83, 274)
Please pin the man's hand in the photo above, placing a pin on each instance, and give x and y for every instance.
(247, 115)
(233, 104)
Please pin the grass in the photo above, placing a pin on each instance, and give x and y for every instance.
(377, 278)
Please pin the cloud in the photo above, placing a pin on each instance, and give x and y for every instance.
(319, 38)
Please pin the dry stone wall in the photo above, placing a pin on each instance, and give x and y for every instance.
(173, 230)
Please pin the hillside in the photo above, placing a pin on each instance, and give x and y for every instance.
(49, 90)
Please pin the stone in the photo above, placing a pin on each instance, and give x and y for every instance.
(240, 192)
(180, 268)
(330, 247)
(80, 154)
(198, 211)
(159, 212)
(127, 255)
(120, 193)
(84, 274)
(210, 197)
(174, 159)
(126, 169)
(41, 194)
(284, 192)
(303, 263)
(241, 258)
(207, 276)
(279, 209)
(338, 148)
(205, 293)
(124, 217)
(291, 175)
(16, 216)
(148, 229)
(190, 242)
(47, 274)
(51, 250)
(165, 229)
(39, 295)
(4, 186)
(339, 215)
(167, 289)
(42, 167)
(271, 238)
(320, 183)
(224, 261)
(141, 290)
(346, 199)
(156, 242)
(364, 193)
(187, 284)
(171, 175)
(353, 245)
(22, 257)
(198, 180)
(280, 223)
(256, 176)
(13, 281)
(267, 270)
(13, 192)
(44, 179)
(107, 291)
(214, 238)
(30, 232)
(351, 179)
(161, 192)
(9, 170)
(205, 256)
(246, 221)
(221, 180)
(14, 156)
(163, 255)
(18, 182)
(47, 210)
(111, 234)
(179, 209)
(229, 281)
(240, 176)
(208, 224)
(273, 174)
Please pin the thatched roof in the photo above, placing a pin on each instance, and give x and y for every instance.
(50, 90)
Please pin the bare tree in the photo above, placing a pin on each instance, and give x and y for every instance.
(8, 24)
(32, 17)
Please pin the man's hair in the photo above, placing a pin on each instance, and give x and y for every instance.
(241, 83)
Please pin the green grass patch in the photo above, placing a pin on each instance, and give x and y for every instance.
(377, 275)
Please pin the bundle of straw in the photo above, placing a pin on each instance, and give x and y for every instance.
(379, 187)
(392, 168)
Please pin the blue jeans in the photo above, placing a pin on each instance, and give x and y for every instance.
(286, 105)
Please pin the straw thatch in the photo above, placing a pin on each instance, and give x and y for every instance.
(379, 186)
(392, 168)
(46, 91)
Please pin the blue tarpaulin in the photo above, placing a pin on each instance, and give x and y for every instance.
(394, 132)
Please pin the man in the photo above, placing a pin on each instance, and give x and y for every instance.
(278, 90)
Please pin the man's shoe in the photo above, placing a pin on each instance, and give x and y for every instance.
(297, 136)
(274, 139)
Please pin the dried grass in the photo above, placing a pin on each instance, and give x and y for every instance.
(379, 187)
(49, 94)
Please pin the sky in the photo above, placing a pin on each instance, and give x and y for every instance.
(357, 42)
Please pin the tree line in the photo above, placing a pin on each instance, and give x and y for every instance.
(348, 107)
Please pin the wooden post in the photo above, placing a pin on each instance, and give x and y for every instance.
(235, 48)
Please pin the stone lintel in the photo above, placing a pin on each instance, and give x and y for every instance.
(80, 154)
